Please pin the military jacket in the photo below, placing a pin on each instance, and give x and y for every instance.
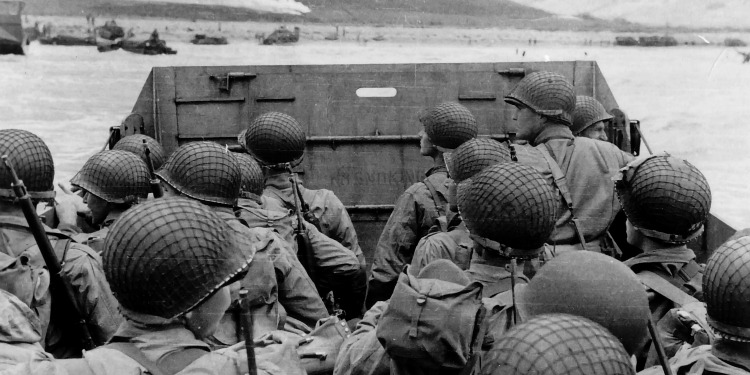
(83, 267)
(20, 333)
(156, 344)
(705, 360)
(324, 204)
(455, 245)
(412, 217)
(278, 286)
(588, 166)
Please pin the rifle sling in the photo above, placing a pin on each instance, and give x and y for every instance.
(663, 287)
(439, 203)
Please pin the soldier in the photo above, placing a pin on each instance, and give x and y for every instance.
(726, 288)
(112, 181)
(206, 172)
(667, 201)
(134, 143)
(174, 300)
(557, 344)
(277, 141)
(337, 268)
(590, 119)
(80, 264)
(509, 210)
(446, 126)
(581, 168)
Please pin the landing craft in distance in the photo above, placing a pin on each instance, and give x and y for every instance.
(12, 38)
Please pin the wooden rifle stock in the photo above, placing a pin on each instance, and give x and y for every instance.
(246, 316)
(154, 182)
(304, 247)
(58, 281)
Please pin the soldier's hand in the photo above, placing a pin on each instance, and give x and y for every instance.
(68, 205)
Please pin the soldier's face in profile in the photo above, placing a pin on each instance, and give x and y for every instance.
(426, 148)
(528, 123)
(596, 131)
(99, 207)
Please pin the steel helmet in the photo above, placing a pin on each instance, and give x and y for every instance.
(275, 138)
(134, 143)
(594, 286)
(448, 125)
(546, 93)
(204, 171)
(474, 155)
(253, 181)
(32, 162)
(726, 289)
(115, 176)
(588, 112)
(664, 197)
(166, 257)
(557, 344)
(510, 204)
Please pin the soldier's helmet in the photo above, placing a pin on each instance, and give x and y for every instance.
(588, 112)
(275, 138)
(134, 143)
(32, 161)
(448, 125)
(204, 171)
(114, 176)
(546, 93)
(253, 181)
(593, 286)
(511, 205)
(726, 289)
(474, 155)
(665, 198)
(557, 344)
(166, 257)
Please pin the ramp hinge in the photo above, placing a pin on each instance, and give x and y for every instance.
(225, 81)
(513, 72)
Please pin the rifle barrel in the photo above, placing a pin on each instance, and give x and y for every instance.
(154, 182)
(247, 330)
(48, 252)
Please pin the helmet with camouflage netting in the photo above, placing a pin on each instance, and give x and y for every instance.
(448, 125)
(665, 198)
(115, 176)
(253, 181)
(166, 257)
(588, 112)
(557, 344)
(546, 93)
(594, 286)
(474, 155)
(204, 171)
(275, 138)
(726, 289)
(511, 205)
(134, 143)
(32, 162)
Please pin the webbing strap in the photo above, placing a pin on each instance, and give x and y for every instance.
(439, 203)
(137, 355)
(169, 364)
(665, 288)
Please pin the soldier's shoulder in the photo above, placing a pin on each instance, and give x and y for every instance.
(604, 148)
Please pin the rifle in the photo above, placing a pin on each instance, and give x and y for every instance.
(58, 281)
(304, 247)
(247, 330)
(154, 182)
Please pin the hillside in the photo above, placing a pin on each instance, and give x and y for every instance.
(719, 14)
(412, 13)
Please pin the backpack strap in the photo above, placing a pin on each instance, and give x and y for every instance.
(665, 288)
(169, 364)
(62, 245)
(439, 203)
(561, 184)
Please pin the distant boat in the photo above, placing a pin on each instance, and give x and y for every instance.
(379, 38)
(151, 46)
(12, 38)
(282, 35)
(203, 39)
(68, 40)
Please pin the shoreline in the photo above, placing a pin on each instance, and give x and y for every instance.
(185, 30)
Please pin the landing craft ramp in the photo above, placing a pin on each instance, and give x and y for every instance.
(361, 120)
